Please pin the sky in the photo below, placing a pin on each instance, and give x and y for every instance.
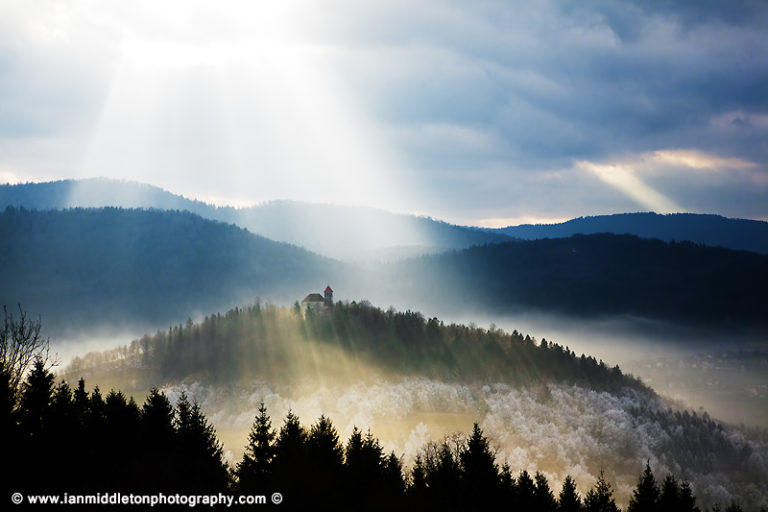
(484, 113)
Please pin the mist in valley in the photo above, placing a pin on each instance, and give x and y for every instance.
(539, 423)
(364, 215)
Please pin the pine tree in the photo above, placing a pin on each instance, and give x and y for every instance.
(290, 463)
(158, 448)
(506, 485)
(254, 472)
(569, 500)
(392, 475)
(443, 476)
(326, 457)
(669, 499)
(646, 496)
(525, 491)
(201, 455)
(543, 498)
(687, 502)
(36, 434)
(37, 392)
(600, 498)
(418, 476)
(122, 422)
(364, 469)
(480, 475)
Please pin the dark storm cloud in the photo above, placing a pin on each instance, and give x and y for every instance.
(488, 105)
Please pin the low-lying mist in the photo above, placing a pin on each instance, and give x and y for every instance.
(412, 380)
(554, 428)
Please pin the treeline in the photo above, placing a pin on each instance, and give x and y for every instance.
(247, 342)
(596, 275)
(117, 267)
(61, 440)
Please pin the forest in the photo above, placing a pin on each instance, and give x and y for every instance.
(111, 443)
(539, 400)
(248, 342)
(598, 275)
(84, 269)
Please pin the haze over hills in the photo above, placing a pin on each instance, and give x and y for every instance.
(118, 266)
(596, 275)
(341, 232)
(82, 268)
(712, 230)
(364, 234)
(545, 407)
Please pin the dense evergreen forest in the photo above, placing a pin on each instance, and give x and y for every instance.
(110, 444)
(88, 268)
(594, 275)
(712, 230)
(342, 232)
(281, 344)
(110, 266)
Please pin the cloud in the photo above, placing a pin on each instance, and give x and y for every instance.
(624, 179)
(465, 109)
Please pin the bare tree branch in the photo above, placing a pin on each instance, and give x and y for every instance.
(20, 344)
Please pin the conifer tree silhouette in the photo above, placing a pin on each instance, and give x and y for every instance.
(600, 497)
(37, 392)
(392, 475)
(158, 442)
(507, 485)
(525, 491)
(669, 498)
(687, 501)
(417, 488)
(326, 458)
(480, 475)
(254, 471)
(543, 498)
(569, 500)
(363, 469)
(290, 462)
(645, 497)
(122, 434)
(442, 476)
(200, 456)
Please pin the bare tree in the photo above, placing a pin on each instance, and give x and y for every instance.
(20, 344)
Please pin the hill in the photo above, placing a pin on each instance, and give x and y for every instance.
(596, 275)
(545, 408)
(712, 230)
(110, 266)
(342, 232)
(117, 267)
(282, 344)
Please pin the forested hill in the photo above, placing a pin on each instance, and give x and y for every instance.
(85, 267)
(712, 230)
(150, 268)
(341, 232)
(593, 275)
(348, 340)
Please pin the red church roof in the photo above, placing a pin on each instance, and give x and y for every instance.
(328, 289)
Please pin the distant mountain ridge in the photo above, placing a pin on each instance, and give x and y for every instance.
(342, 232)
(706, 229)
(597, 275)
(118, 267)
(111, 266)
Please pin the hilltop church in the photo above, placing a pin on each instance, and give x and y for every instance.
(315, 301)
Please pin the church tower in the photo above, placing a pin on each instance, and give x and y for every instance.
(328, 301)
